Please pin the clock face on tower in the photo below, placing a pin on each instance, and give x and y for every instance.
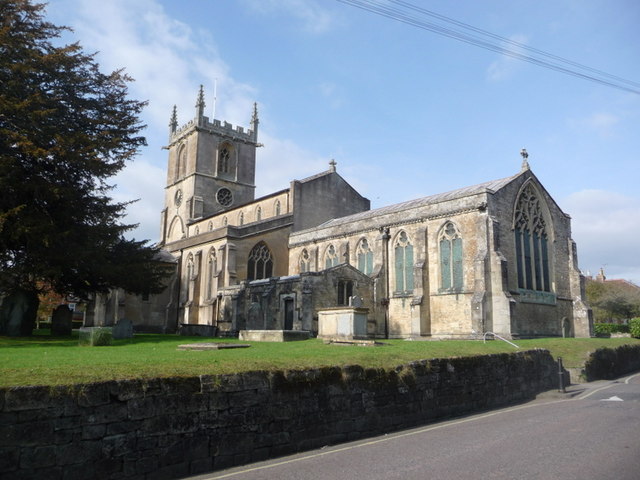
(178, 198)
(224, 197)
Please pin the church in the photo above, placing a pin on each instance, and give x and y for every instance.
(494, 257)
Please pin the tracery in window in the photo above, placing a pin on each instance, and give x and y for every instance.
(451, 273)
(260, 264)
(364, 255)
(403, 251)
(330, 257)
(305, 261)
(532, 242)
(224, 157)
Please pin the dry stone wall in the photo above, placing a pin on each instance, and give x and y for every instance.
(174, 427)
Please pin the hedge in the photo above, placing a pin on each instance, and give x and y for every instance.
(606, 329)
(634, 327)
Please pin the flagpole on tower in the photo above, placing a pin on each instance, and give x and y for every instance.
(215, 97)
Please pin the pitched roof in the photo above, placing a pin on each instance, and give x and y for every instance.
(486, 187)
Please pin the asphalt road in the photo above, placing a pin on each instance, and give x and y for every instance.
(592, 432)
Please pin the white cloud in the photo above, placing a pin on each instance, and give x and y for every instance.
(281, 161)
(606, 227)
(331, 92)
(506, 66)
(312, 17)
(602, 124)
(168, 61)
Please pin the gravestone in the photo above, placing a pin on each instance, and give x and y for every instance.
(61, 321)
(122, 329)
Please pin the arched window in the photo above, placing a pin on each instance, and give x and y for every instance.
(225, 221)
(260, 264)
(224, 157)
(404, 263)
(450, 241)
(181, 163)
(258, 214)
(210, 226)
(532, 242)
(241, 218)
(365, 257)
(330, 257)
(305, 261)
(211, 274)
(276, 208)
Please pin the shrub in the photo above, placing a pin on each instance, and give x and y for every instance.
(606, 329)
(634, 327)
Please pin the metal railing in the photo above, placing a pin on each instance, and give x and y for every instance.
(499, 337)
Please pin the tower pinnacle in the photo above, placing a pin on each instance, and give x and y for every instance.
(254, 122)
(200, 105)
(173, 122)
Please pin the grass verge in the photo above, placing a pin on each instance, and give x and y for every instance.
(46, 360)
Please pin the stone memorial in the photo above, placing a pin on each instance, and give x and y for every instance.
(61, 321)
(122, 329)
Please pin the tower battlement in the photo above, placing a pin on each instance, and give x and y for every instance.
(223, 129)
(220, 127)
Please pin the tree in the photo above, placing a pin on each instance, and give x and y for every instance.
(65, 129)
(613, 301)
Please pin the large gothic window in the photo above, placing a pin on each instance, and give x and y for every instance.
(260, 263)
(364, 256)
(450, 258)
(403, 263)
(305, 261)
(532, 242)
(331, 257)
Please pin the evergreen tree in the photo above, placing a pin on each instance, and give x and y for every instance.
(65, 129)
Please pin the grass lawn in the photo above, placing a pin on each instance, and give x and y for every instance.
(46, 360)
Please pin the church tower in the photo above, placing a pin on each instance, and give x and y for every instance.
(211, 168)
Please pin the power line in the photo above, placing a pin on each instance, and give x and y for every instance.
(417, 17)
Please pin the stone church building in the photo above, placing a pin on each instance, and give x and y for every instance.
(494, 257)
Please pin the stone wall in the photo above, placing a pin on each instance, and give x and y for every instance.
(609, 363)
(169, 428)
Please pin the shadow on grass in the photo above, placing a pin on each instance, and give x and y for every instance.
(43, 338)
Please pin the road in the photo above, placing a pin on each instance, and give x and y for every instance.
(592, 432)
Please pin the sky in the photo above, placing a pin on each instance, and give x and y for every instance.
(405, 112)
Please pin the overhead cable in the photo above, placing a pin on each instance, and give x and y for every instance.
(417, 17)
